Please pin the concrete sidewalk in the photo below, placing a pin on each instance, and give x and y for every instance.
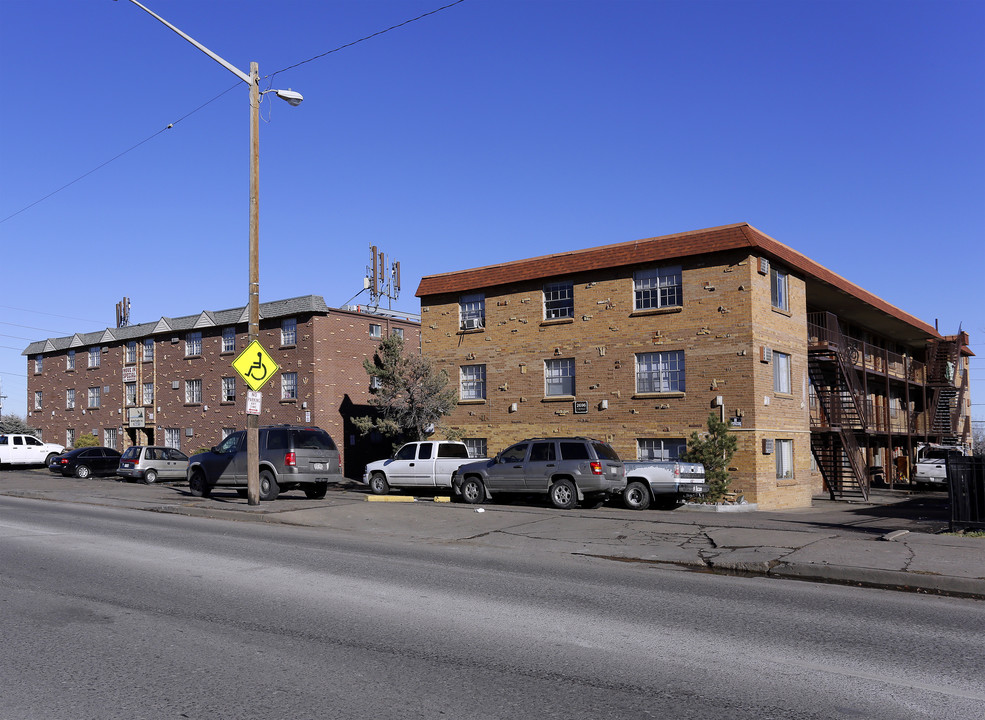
(894, 541)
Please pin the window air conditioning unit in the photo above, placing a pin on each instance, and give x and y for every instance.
(767, 446)
(766, 354)
(764, 266)
(471, 324)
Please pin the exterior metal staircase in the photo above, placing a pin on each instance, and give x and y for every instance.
(942, 366)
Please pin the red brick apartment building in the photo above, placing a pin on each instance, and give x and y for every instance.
(172, 382)
(824, 384)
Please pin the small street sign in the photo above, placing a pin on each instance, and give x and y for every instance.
(255, 365)
(254, 401)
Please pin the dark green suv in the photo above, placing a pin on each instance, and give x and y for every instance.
(290, 457)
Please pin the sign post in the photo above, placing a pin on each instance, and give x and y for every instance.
(256, 367)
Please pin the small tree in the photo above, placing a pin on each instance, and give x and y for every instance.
(714, 451)
(14, 424)
(411, 396)
(86, 440)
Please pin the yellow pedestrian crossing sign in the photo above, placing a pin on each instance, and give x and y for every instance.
(255, 365)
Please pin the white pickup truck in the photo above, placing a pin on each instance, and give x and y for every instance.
(19, 449)
(662, 482)
(930, 469)
(425, 464)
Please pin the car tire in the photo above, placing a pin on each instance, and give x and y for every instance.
(473, 491)
(51, 456)
(563, 494)
(82, 471)
(150, 477)
(198, 486)
(316, 491)
(636, 496)
(269, 489)
(378, 484)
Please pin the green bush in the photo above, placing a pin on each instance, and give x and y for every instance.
(86, 440)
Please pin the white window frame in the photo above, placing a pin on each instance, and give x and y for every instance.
(472, 382)
(148, 393)
(472, 311)
(38, 399)
(94, 357)
(559, 377)
(70, 399)
(110, 437)
(289, 386)
(148, 354)
(476, 446)
(193, 344)
(38, 364)
(783, 450)
(130, 352)
(659, 449)
(70, 437)
(779, 288)
(193, 392)
(660, 372)
(130, 393)
(228, 389)
(782, 377)
(95, 397)
(228, 339)
(375, 331)
(172, 438)
(559, 301)
(70, 360)
(658, 287)
(399, 332)
(289, 331)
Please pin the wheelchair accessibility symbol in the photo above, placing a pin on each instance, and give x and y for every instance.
(255, 366)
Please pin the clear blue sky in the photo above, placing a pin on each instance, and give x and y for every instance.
(493, 130)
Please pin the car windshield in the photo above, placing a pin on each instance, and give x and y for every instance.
(605, 451)
(131, 453)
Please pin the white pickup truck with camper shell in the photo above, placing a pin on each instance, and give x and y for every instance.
(422, 464)
(662, 482)
(21, 449)
(930, 469)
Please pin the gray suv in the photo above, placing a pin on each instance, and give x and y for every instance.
(290, 457)
(567, 470)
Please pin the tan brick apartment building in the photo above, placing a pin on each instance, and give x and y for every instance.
(172, 383)
(823, 383)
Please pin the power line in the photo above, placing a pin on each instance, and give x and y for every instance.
(41, 312)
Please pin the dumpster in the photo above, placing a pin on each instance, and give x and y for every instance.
(966, 479)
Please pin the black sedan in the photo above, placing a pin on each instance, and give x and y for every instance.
(83, 462)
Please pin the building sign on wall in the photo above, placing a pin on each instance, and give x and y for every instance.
(130, 373)
(135, 417)
(581, 407)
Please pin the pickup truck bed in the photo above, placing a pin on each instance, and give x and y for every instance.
(663, 482)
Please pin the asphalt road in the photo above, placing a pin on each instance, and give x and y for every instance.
(109, 613)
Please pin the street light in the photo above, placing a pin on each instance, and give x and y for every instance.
(294, 99)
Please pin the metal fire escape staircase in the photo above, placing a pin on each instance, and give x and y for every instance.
(841, 398)
(942, 366)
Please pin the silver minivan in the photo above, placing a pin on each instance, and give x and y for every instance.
(149, 463)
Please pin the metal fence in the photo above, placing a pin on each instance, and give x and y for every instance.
(966, 476)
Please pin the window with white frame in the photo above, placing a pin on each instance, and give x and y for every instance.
(657, 287)
(70, 360)
(660, 448)
(172, 438)
(472, 384)
(148, 393)
(398, 332)
(778, 288)
(288, 331)
(70, 437)
(781, 372)
(38, 364)
(288, 386)
(228, 339)
(226, 432)
(783, 451)
(559, 377)
(228, 389)
(148, 349)
(559, 301)
(375, 331)
(130, 352)
(193, 392)
(94, 357)
(193, 344)
(37, 399)
(130, 393)
(109, 437)
(660, 372)
(472, 311)
(95, 397)
(375, 383)
(476, 447)
(70, 399)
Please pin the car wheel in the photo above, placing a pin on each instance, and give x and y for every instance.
(269, 490)
(316, 491)
(51, 456)
(82, 471)
(563, 494)
(378, 484)
(150, 477)
(198, 485)
(473, 491)
(636, 496)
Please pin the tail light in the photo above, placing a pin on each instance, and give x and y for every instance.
(677, 470)
(596, 467)
(291, 459)
(63, 461)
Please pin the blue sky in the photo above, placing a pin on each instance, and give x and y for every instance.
(490, 131)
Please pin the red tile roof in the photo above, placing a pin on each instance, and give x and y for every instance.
(666, 247)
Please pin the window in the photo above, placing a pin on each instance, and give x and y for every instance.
(70, 399)
(172, 438)
(193, 393)
(109, 436)
(70, 360)
(375, 331)
(38, 364)
(226, 432)
(398, 332)
(660, 448)
(228, 389)
(778, 289)
(288, 331)
(660, 372)
(37, 399)
(148, 393)
(472, 312)
(130, 392)
(514, 454)
(94, 397)
(228, 340)
(476, 446)
(473, 382)
(288, 386)
(542, 452)
(657, 288)
(93, 357)
(148, 350)
(375, 383)
(70, 437)
(130, 352)
(559, 377)
(193, 345)
(781, 372)
(559, 301)
(783, 452)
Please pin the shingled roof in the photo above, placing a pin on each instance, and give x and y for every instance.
(666, 247)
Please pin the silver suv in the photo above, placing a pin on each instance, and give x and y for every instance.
(567, 470)
(290, 457)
